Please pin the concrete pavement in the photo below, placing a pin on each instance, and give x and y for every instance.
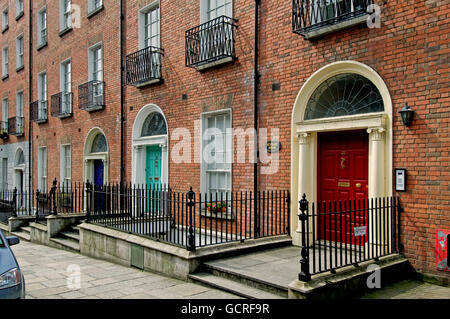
(53, 274)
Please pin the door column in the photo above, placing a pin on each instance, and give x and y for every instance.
(304, 169)
(376, 163)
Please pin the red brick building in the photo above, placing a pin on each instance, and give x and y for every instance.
(186, 69)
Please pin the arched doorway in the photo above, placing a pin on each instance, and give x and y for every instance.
(19, 177)
(341, 142)
(96, 164)
(150, 144)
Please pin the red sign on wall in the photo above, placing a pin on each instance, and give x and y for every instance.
(442, 249)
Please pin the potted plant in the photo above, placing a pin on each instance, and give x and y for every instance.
(217, 207)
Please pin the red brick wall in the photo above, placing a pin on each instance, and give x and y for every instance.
(410, 52)
(102, 27)
(17, 81)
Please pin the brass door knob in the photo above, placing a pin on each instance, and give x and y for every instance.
(358, 185)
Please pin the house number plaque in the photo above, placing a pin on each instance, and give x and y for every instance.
(273, 146)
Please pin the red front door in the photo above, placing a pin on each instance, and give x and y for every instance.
(343, 159)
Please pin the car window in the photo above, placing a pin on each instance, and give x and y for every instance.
(1, 242)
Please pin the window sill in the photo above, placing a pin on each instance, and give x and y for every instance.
(5, 29)
(94, 108)
(65, 31)
(20, 68)
(95, 11)
(209, 65)
(149, 82)
(41, 46)
(64, 115)
(41, 121)
(20, 15)
(335, 27)
(228, 215)
(4, 77)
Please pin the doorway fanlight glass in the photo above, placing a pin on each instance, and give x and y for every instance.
(344, 94)
(99, 144)
(154, 125)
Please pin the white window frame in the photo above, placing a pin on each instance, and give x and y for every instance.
(65, 15)
(5, 61)
(20, 52)
(66, 86)
(42, 95)
(142, 25)
(5, 173)
(94, 5)
(5, 114)
(42, 169)
(20, 99)
(42, 26)
(228, 156)
(19, 7)
(96, 72)
(66, 164)
(205, 10)
(5, 19)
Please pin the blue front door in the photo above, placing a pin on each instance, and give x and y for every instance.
(99, 195)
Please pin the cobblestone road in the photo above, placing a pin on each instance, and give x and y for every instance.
(47, 275)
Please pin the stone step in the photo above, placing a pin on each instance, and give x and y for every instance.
(26, 229)
(22, 235)
(75, 229)
(70, 235)
(68, 244)
(232, 286)
(249, 281)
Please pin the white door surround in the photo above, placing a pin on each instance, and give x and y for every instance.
(304, 138)
(90, 157)
(140, 142)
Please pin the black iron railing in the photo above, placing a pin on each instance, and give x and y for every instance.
(16, 126)
(344, 233)
(310, 15)
(144, 66)
(210, 42)
(14, 202)
(189, 220)
(91, 95)
(39, 111)
(62, 104)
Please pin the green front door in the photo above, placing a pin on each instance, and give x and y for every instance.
(153, 175)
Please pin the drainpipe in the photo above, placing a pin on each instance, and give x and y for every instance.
(30, 94)
(256, 77)
(122, 117)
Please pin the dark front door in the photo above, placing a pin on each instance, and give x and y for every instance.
(99, 193)
(343, 167)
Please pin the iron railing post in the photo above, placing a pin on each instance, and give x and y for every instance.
(88, 201)
(14, 212)
(190, 205)
(304, 274)
(37, 205)
(53, 197)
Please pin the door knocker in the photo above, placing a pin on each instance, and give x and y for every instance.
(343, 162)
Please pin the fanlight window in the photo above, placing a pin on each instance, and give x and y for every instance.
(99, 144)
(154, 125)
(344, 94)
(20, 159)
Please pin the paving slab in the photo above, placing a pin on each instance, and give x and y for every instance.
(46, 275)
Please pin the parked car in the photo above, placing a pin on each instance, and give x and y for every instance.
(12, 283)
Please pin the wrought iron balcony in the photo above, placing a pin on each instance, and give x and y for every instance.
(144, 66)
(39, 111)
(313, 18)
(62, 104)
(211, 43)
(91, 96)
(4, 135)
(16, 126)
